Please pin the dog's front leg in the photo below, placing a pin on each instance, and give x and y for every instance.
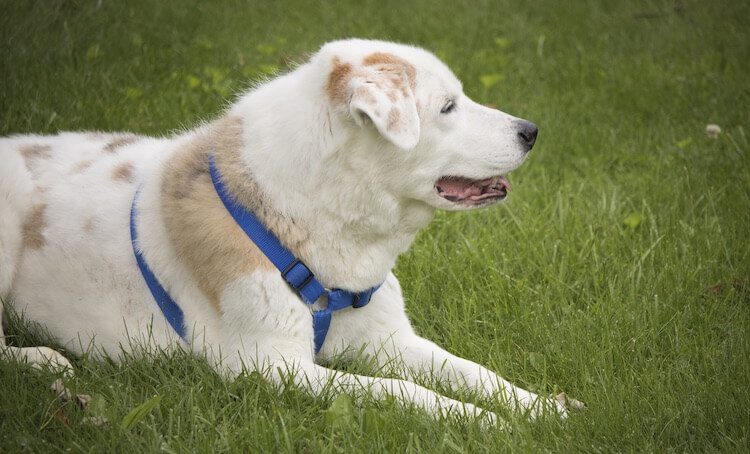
(266, 328)
(382, 331)
(318, 380)
(421, 356)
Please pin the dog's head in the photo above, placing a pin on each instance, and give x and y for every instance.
(406, 110)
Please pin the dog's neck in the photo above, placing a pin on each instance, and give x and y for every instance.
(334, 218)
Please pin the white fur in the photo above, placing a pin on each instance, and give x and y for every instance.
(360, 190)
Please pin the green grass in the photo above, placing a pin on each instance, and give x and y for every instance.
(645, 320)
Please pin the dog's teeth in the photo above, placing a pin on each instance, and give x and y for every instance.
(494, 181)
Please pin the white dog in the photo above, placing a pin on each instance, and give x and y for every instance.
(342, 160)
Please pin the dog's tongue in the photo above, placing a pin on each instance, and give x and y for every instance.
(462, 188)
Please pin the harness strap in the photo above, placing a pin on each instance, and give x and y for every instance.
(293, 270)
(169, 308)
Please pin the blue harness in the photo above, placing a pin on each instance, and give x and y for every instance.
(293, 271)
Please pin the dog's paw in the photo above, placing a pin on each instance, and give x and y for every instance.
(560, 405)
(47, 358)
(568, 402)
(533, 407)
(549, 406)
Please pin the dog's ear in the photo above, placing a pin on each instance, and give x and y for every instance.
(388, 102)
(381, 92)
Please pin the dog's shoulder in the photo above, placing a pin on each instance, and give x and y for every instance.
(203, 234)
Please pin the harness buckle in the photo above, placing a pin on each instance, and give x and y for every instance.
(294, 277)
(361, 299)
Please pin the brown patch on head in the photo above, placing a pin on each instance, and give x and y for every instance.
(393, 118)
(205, 237)
(123, 172)
(338, 81)
(366, 95)
(33, 227)
(120, 140)
(391, 72)
(390, 63)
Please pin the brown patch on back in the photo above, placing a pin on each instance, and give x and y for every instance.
(119, 141)
(81, 167)
(30, 152)
(204, 235)
(394, 115)
(33, 227)
(338, 81)
(123, 172)
(33, 153)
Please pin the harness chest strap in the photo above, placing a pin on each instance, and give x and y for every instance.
(292, 270)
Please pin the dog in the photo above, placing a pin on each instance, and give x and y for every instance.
(342, 161)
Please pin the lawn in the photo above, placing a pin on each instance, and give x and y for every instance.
(618, 271)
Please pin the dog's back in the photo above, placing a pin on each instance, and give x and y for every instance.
(64, 200)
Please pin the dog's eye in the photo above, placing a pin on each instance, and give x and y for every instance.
(449, 107)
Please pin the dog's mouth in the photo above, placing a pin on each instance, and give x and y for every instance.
(470, 192)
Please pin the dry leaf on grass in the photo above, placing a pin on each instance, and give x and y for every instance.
(65, 395)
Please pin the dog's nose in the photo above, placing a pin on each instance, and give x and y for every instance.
(527, 134)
